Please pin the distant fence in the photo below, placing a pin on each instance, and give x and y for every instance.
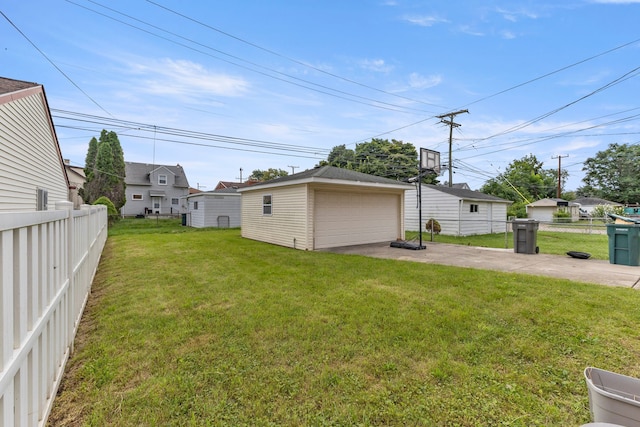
(473, 227)
(47, 262)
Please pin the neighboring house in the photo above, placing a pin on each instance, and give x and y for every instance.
(155, 189)
(462, 186)
(324, 207)
(32, 173)
(218, 208)
(76, 181)
(228, 184)
(543, 210)
(459, 211)
(587, 204)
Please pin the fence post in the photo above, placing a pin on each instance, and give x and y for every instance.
(71, 291)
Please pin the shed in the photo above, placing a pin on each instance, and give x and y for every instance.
(543, 209)
(324, 207)
(33, 174)
(459, 211)
(218, 208)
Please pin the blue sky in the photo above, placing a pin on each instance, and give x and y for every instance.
(220, 86)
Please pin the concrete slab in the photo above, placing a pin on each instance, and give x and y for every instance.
(561, 267)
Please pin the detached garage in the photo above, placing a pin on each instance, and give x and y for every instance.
(323, 208)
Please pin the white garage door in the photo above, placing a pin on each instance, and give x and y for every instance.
(343, 219)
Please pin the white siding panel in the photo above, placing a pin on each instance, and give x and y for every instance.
(29, 156)
(288, 223)
(353, 218)
(213, 206)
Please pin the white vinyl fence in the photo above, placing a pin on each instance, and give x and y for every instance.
(47, 263)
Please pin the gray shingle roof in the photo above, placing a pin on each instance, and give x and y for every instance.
(467, 194)
(332, 172)
(138, 174)
(10, 85)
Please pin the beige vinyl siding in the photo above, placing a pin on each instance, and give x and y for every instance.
(29, 156)
(287, 224)
(344, 218)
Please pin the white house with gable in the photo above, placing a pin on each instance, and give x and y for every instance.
(459, 211)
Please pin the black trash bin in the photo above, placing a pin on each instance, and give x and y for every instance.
(525, 236)
(184, 219)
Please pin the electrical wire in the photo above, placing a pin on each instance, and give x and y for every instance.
(41, 52)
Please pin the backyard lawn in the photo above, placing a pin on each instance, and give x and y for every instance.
(202, 327)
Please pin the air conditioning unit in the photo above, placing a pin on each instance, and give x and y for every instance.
(42, 199)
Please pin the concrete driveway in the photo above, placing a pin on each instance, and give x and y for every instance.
(560, 267)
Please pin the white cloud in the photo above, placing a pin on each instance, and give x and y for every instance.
(515, 15)
(417, 81)
(378, 65)
(506, 34)
(466, 29)
(182, 78)
(425, 20)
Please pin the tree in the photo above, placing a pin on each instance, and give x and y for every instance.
(613, 174)
(390, 159)
(104, 170)
(524, 181)
(267, 175)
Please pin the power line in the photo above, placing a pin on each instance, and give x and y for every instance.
(286, 57)
(338, 93)
(53, 63)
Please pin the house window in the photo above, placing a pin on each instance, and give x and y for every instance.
(195, 206)
(174, 201)
(136, 197)
(162, 179)
(266, 204)
(473, 208)
(42, 199)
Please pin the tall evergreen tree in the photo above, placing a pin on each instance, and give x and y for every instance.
(104, 170)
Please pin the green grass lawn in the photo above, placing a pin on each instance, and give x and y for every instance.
(549, 242)
(206, 328)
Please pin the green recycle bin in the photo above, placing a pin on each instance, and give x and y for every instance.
(624, 244)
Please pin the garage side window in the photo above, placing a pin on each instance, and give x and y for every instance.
(266, 204)
(473, 208)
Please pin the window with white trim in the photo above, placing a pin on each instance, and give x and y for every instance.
(174, 201)
(473, 208)
(136, 197)
(267, 204)
(195, 206)
(162, 179)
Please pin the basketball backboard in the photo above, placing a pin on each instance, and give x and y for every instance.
(430, 160)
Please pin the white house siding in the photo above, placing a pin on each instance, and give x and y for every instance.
(351, 218)
(453, 213)
(287, 224)
(29, 155)
(213, 206)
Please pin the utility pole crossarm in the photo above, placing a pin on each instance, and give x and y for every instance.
(451, 124)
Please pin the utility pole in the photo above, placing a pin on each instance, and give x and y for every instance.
(240, 175)
(559, 157)
(451, 126)
(293, 168)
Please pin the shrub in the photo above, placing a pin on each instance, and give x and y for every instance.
(112, 212)
(562, 216)
(433, 224)
(603, 211)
